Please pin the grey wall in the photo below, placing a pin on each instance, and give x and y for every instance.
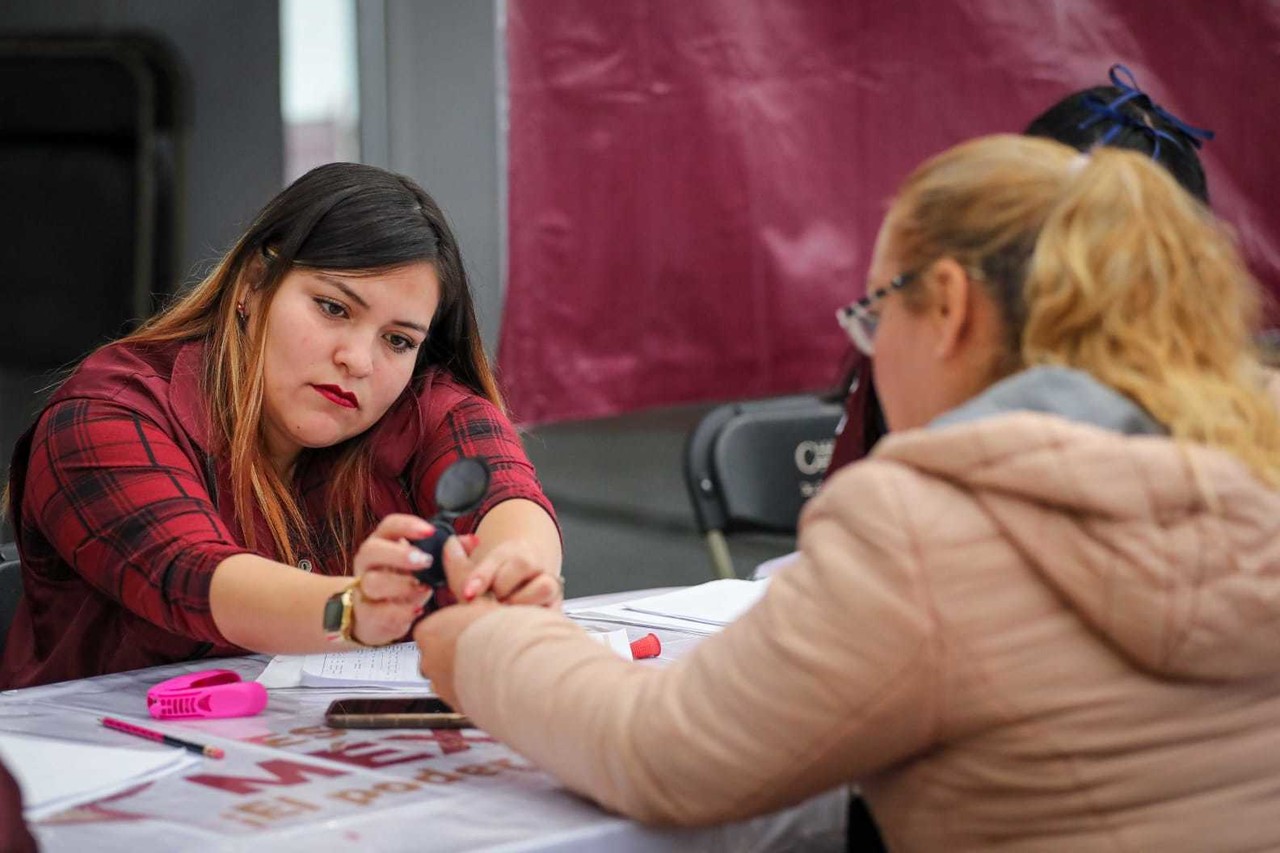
(428, 83)
(235, 150)
(430, 86)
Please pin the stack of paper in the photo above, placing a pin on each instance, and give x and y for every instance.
(702, 609)
(55, 775)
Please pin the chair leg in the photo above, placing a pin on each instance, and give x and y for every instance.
(721, 562)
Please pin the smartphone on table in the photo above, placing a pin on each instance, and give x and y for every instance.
(407, 712)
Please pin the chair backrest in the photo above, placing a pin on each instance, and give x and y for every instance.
(88, 130)
(91, 162)
(10, 594)
(750, 466)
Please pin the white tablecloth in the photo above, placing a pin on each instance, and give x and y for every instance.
(291, 783)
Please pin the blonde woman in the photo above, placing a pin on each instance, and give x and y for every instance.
(1044, 613)
(244, 471)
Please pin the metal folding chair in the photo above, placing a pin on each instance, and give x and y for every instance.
(750, 466)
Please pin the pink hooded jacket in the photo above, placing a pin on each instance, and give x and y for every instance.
(1035, 624)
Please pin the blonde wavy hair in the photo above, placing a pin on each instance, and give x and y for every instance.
(1103, 263)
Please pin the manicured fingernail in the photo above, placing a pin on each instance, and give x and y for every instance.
(472, 541)
(469, 591)
(419, 558)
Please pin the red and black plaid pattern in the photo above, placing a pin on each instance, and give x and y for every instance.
(118, 503)
(475, 428)
(122, 517)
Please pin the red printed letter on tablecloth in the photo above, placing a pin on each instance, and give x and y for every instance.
(283, 772)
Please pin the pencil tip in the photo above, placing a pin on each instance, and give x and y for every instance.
(214, 752)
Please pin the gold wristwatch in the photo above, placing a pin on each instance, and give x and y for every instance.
(340, 616)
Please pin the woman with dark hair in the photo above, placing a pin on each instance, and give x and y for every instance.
(1121, 116)
(262, 451)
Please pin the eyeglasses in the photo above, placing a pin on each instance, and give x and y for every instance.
(859, 321)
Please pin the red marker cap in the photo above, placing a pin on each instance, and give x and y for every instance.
(646, 647)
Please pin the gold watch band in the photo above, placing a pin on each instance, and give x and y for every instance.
(347, 629)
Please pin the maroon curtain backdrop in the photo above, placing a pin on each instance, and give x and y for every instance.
(694, 185)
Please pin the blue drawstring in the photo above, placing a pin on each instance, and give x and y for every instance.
(1103, 111)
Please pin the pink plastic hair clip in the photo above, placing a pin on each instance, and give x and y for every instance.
(211, 693)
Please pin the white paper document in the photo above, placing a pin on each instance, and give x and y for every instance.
(55, 775)
(712, 603)
(615, 640)
(703, 609)
(282, 671)
(387, 667)
(617, 614)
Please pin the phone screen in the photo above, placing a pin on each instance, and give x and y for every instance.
(407, 712)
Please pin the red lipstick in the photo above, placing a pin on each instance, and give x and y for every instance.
(340, 396)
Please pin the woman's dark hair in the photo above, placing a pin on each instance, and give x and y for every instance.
(1123, 116)
(341, 216)
(348, 216)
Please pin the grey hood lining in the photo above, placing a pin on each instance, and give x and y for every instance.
(1071, 394)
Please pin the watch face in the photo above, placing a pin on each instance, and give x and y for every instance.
(333, 614)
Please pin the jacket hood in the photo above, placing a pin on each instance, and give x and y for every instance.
(1169, 550)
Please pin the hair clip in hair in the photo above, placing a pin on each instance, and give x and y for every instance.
(209, 693)
(1195, 135)
(1130, 91)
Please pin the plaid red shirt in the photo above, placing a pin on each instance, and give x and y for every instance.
(122, 514)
